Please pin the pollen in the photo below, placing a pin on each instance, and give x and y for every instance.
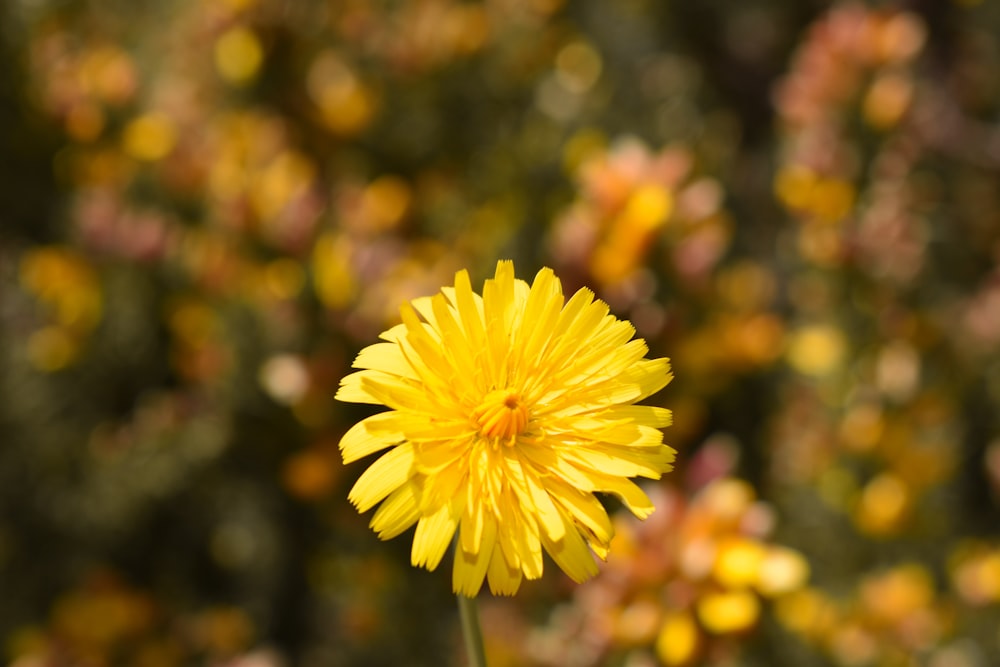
(501, 414)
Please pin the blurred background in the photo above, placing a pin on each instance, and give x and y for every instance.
(207, 207)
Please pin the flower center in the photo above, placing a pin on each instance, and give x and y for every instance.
(501, 414)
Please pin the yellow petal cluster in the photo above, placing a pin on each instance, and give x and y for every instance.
(508, 411)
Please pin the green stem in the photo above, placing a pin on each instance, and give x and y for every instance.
(472, 631)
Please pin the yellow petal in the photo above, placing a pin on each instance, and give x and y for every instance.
(435, 367)
(470, 567)
(541, 312)
(394, 392)
(626, 490)
(503, 579)
(437, 385)
(473, 522)
(397, 513)
(382, 478)
(585, 510)
(470, 309)
(432, 538)
(607, 337)
(539, 504)
(424, 428)
(444, 489)
(646, 437)
(601, 549)
(646, 415)
(518, 537)
(579, 317)
(393, 334)
(352, 389)
(587, 398)
(622, 357)
(572, 554)
(385, 357)
(602, 342)
(545, 457)
(601, 431)
(651, 375)
(498, 297)
(433, 457)
(461, 354)
(423, 305)
(365, 437)
(649, 462)
(651, 437)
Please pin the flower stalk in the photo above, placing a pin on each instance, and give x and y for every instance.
(472, 631)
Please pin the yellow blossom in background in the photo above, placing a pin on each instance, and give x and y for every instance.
(150, 137)
(508, 412)
(69, 288)
(781, 571)
(238, 55)
(677, 642)
(728, 611)
(817, 349)
(346, 104)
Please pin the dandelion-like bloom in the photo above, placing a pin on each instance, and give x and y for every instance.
(508, 412)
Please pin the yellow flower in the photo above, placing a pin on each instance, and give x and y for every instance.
(508, 411)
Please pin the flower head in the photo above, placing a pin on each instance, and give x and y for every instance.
(508, 412)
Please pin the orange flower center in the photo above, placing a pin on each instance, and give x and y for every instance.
(501, 414)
